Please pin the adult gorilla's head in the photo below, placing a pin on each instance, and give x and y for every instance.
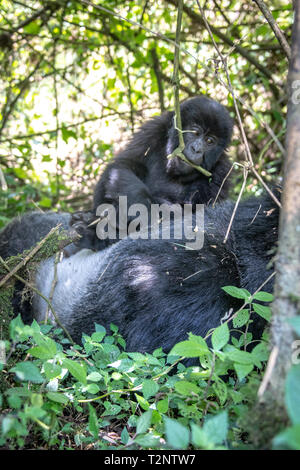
(207, 129)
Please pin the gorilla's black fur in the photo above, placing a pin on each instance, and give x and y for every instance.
(156, 290)
(144, 174)
(24, 232)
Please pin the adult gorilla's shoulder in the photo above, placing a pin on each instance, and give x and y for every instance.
(26, 230)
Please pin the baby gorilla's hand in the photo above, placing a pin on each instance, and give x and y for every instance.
(84, 223)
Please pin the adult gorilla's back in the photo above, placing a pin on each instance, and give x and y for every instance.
(156, 291)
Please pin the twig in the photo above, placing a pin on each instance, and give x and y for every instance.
(178, 152)
(223, 182)
(157, 71)
(269, 370)
(245, 170)
(250, 165)
(277, 31)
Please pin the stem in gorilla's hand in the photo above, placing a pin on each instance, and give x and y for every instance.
(178, 152)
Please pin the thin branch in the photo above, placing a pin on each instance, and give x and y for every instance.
(192, 14)
(178, 152)
(250, 163)
(245, 170)
(277, 31)
(29, 20)
(157, 71)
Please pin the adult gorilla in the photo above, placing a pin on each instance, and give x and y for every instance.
(156, 291)
(144, 173)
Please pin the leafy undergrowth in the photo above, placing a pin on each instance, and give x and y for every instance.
(56, 395)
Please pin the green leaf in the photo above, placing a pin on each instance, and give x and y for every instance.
(189, 348)
(124, 436)
(98, 336)
(45, 202)
(242, 357)
(94, 377)
(242, 370)
(263, 311)
(28, 372)
(92, 388)
(52, 370)
(220, 389)
(67, 133)
(111, 409)
(292, 394)
(241, 318)
(237, 292)
(216, 428)
(142, 402)
(93, 421)
(32, 28)
(185, 388)
(8, 423)
(220, 337)
(57, 397)
(162, 405)
(45, 350)
(77, 370)
(147, 440)
(177, 435)
(289, 439)
(200, 439)
(263, 296)
(149, 388)
(143, 422)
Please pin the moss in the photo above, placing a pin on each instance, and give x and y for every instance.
(6, 310)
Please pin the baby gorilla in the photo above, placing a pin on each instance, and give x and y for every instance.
(145, 175)
(156, 291)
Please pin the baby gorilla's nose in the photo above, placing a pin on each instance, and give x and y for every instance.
(197, 147)
(194, 152)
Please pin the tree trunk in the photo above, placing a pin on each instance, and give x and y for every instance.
(270, 409)
(287, 286)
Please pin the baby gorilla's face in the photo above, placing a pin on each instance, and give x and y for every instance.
(207, 129)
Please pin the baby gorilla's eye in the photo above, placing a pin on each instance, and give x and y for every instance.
(209, 140)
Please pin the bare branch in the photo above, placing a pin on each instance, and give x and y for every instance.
(277, 31)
